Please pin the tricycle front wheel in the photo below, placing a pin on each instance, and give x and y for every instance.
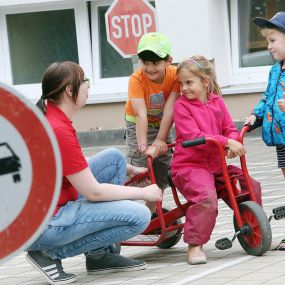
(258, 240)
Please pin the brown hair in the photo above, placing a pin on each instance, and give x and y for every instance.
(56, 77)
(203, 68)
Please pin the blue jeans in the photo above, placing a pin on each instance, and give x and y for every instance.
(81, 226)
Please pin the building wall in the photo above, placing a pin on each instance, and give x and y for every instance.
(111, 116)
(194, 27)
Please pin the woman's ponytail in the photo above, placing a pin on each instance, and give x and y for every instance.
(42, 105)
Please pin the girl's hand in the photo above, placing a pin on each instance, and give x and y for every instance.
(235, 147)
(281, 103)
(152, 193)
(230, 154)
(251, 120)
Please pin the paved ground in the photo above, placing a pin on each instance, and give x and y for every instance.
(169, 266)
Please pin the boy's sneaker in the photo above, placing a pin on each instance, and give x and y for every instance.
(110, 262)
(51, 269)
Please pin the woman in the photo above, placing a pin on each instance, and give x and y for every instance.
(94, 210)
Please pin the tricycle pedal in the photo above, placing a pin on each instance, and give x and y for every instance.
(223, 243)
(279, 213)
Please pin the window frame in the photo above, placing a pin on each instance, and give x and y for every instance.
(242, 75)
(106, 89)
(33, 91)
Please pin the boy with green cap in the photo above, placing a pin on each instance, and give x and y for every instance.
(152, 92)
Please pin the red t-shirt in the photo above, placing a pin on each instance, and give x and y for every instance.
(72, 157)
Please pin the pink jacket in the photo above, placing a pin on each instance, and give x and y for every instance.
(193, 119)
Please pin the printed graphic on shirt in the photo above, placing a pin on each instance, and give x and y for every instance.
(155, 107)
(277, 129)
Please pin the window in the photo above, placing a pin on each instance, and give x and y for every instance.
(250, 57)
(37, 39)
(34, 36)
(112, 64)
(111, 70)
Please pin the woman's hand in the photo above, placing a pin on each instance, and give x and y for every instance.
(152, 193)
(250, 120)
(235, 147)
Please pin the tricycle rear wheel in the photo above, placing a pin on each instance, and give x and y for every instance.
(172, 238)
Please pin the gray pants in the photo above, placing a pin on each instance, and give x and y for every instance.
(160, 165)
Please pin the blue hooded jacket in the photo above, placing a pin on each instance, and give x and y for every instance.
(273, 127)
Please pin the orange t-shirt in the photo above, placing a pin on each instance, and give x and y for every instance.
(155, 95)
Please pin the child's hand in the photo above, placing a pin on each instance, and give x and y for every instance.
(161, 146)
(230, 154)
(151, 151)
(251, 120)
(281, 103)
(152, 193)
(235, 147)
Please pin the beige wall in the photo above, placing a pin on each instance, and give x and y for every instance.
(111, 116)
(241, 105)
(100, 116)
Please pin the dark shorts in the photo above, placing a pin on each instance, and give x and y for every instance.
(280, 150)
(160, 165)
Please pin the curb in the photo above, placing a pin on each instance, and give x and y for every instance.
(116, 136)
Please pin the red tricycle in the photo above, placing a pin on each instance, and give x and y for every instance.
(251, 225)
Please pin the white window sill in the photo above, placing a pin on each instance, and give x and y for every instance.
(107, 98)
(122, 96)
(244, 88)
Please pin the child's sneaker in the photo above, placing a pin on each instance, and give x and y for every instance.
(50, 269)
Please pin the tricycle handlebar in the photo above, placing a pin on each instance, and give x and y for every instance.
(194, 142)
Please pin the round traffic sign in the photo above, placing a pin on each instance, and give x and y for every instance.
(126, 22)
(30, 172)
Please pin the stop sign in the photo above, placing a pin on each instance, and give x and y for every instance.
(126, 22)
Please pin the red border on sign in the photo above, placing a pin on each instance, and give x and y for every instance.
(44, 173)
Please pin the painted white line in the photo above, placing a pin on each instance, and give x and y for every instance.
(270, 190)
(4, 276)
(264, 171)
(280, 203)
(273, 197)
(259, 163)
(214, 270)
(156, 278)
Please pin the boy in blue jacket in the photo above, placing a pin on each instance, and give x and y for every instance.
(271, 108)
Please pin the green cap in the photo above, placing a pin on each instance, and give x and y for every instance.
(155, 42)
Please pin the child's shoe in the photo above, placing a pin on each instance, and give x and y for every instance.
(196, 255)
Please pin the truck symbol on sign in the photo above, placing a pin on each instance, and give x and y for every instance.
(9, 162)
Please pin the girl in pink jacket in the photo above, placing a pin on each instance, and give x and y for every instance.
(200, 112)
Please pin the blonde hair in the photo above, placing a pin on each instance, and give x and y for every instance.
(265, 31)
(203, 68)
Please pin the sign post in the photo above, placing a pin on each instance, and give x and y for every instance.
(126, 22)
(30, 172)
